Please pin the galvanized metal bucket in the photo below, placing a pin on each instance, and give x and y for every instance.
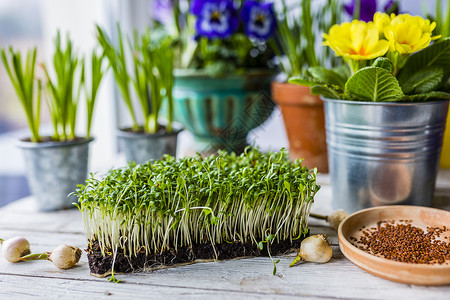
(141, 147)
(54, 169)
(383, 153)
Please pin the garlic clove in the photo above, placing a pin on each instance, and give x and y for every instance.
(65, 256)
(14, 248)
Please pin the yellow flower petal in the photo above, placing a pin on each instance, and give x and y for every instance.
(408, 34)
(357, 40)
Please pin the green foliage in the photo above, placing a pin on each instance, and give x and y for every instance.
(438, 54)
(252, 197)
(384, 63)
(63, 88)
(22, 76)
(295, 44)
(97, 69)
(424, 81)
(151, 76)
(65, 78)
(373, 84)
(327, 76)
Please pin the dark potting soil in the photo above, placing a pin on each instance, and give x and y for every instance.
(101, 266)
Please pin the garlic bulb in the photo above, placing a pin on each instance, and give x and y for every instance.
(314, 249)
(65, 256)
(14, 248)
(336, 217)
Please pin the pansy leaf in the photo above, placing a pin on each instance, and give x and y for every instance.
(435, 95)
(437, 54)
(384, 63)
(327, 76)
(424, 80)
(374, 84)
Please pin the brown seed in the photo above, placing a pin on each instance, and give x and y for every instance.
(405, 243)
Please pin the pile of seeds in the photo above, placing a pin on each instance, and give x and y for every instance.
(405, 243)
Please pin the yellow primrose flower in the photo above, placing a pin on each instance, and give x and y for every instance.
(381, 20)
(357, 40)
(408, 34)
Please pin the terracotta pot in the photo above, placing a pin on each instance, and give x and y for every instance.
(304, 119)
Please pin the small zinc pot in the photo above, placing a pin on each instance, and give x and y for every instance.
(304, 119)
(220, 112)
(141, 147)
(54, 169)
(383, 153)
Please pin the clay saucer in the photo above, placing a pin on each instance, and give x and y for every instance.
(420, 274)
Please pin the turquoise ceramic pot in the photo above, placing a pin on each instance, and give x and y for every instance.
(220, 112)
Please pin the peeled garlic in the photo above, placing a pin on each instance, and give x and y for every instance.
(65, 256)
(14, 248)
(314, 249)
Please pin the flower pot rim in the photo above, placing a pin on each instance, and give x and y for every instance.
(200, 73)
(25, 144)
(373, 103)
(124, 132)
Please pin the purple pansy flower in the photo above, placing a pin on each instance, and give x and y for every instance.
(259, 19)
(215, 18)
(367, 9)
(161, 11)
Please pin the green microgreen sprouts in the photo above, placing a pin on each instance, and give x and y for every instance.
(152, 75)
(22, 76)
(172, 203)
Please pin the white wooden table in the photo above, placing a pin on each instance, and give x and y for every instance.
(236, 279)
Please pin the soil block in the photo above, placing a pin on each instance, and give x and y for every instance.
(101, 266)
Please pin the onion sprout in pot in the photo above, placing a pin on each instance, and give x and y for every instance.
(314, 249)
(334, 219)
(14, 248)
(63, 256)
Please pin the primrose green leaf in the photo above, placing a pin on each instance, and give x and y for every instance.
(303, 80)
(327, 76)
(327, 92)
(438, 54)
(384, 63)
(435, 95)
(424, 80)
(374, 84)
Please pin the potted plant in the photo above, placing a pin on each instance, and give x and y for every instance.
(152, 81)
(222, 80)
(173, 212)
(55, 164)
(295, 46)
(386, 121)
